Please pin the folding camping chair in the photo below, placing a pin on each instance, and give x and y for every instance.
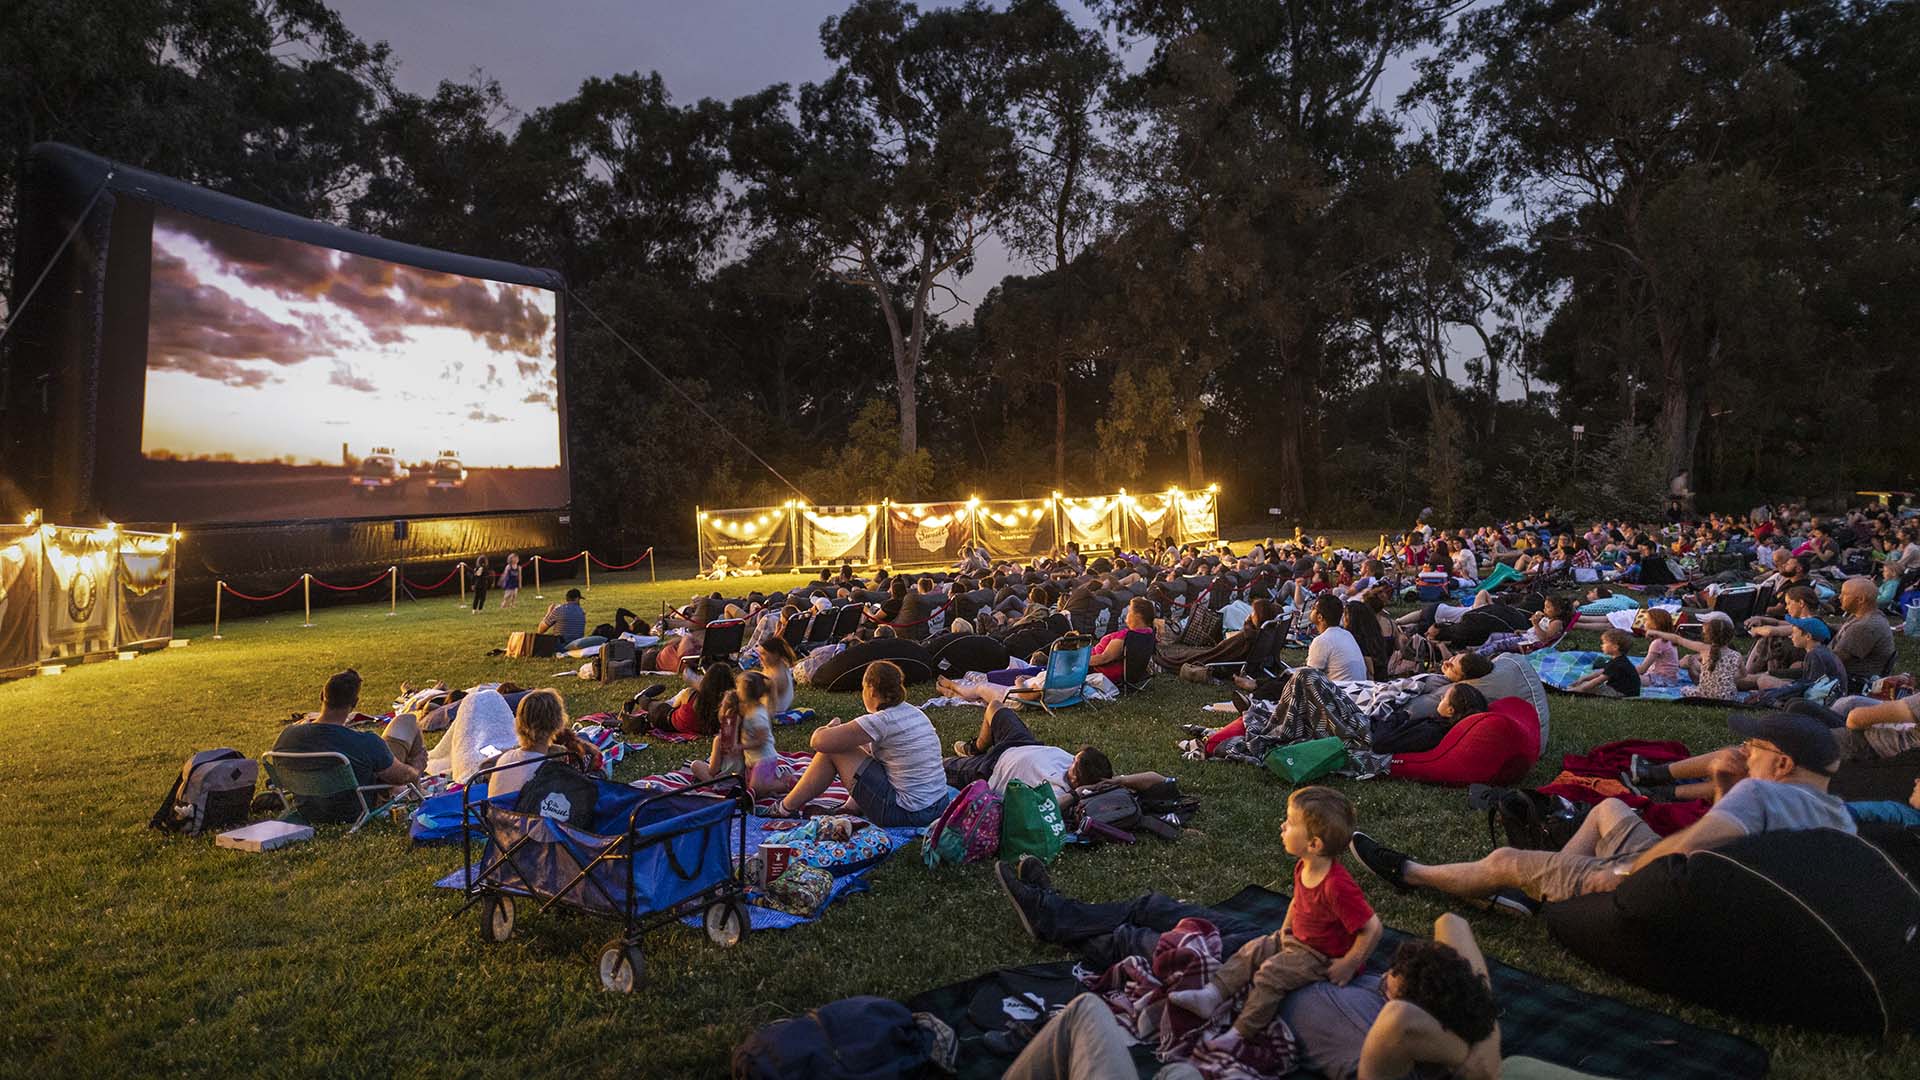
(322, 774)
(795, 632)
(1067, 663)
(721, 642)
(1137, 662)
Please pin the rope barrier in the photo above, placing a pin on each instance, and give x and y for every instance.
(568, 559)
(270, 596)
(623, 566)
(412, 584)
(352, 588)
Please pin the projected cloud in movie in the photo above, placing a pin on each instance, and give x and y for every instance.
(262, 349)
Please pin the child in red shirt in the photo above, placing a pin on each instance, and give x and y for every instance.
(1327, 934)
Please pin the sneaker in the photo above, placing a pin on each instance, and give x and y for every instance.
(1024, 898)
(1242, 701)
(963, 748)
(1513, 902)
(1386, 863)
(1032, 872)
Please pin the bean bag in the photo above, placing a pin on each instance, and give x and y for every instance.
(1882, 778)
(1819, 929)
(1514, 677)
(969, 652)
(1494, 747)
(843, 671)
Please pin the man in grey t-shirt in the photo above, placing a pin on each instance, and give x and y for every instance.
(1865, 641)
(1776, 781)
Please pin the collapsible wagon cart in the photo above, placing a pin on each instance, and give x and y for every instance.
(649, 859)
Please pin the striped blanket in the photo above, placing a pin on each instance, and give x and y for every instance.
(827, 801)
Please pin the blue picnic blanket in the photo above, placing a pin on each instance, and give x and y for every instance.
(1562, 669)
(758, 918)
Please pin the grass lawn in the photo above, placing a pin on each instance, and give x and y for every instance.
(128, 952)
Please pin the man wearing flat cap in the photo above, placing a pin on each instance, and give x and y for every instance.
(1774, 781)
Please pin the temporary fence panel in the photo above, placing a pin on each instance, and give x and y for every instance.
(928, 532)
(19, 596)
(1015, 529)
(1199, 517)
(831, 534)
(1149, 517)
(143, 588)
(1090, 522)
(762, 536)
(77, 606)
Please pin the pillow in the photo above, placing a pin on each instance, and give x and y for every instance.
(1493, 747)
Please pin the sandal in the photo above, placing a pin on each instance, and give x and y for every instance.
(778, 811)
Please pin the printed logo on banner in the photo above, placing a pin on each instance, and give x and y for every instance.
(82, 593)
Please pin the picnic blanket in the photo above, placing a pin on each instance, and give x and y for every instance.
(1561, 670)
(1538, 1017)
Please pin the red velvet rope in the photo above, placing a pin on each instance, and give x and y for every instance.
(412, 584)
(352, 588)
(622, 566)
(273, 596)
(568, 559)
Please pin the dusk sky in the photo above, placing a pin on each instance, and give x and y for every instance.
(261, 348)
(721, 49)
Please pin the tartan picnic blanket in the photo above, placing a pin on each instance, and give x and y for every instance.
(1538, 1017)
(826, 802)
(1562, 669)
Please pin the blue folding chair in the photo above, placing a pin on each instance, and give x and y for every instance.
(1067, 664)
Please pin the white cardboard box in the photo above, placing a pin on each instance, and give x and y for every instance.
(264, 836)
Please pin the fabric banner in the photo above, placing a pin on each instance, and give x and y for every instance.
(831, 534)
(1148, 518)
(144, 589)
(19, 597)
(1199, 517)
(759, 537)
(1015, 529)
(928, 532)
(1089, 522)
(77, 608)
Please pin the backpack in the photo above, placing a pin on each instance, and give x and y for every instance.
(559, 791)
(1110, 811)
(857, 1038)
(214, 790)
(967, 832)
(1534, 821)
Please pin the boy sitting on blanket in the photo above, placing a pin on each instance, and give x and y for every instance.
(1618, 677)
(1327, 935)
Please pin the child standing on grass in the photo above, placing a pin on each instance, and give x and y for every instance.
(1328, 932)
(1618, 677)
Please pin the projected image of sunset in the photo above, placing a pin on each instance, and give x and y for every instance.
(290, 380)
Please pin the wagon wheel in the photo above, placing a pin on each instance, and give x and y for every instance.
(726, 922)
(622, 966)
(496, 918)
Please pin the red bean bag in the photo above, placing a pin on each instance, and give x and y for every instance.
(1494, 747)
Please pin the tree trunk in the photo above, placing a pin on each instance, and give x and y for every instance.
(1060, 425)
(1288, 472)
(1196, 473)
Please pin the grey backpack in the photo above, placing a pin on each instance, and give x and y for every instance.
(214, 790)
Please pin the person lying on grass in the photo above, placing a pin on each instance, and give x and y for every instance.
(1006, 750)
(888, 759)
(1433, 1006)
(371, 756)
(1328, 933)
(1776, 781)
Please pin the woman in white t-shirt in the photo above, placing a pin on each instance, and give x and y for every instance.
(888, 759)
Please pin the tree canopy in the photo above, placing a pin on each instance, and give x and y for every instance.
(1688, 229)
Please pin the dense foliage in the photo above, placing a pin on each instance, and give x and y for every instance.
(1690, 229)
